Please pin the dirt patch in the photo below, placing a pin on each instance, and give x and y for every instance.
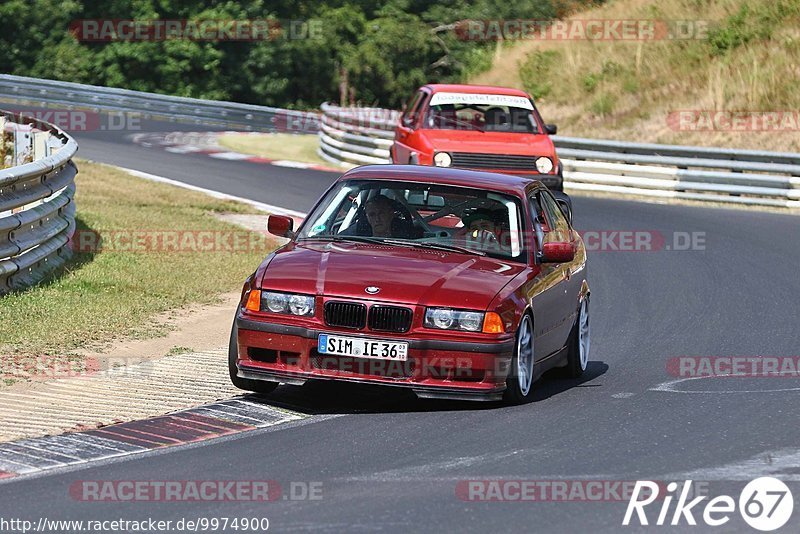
(205, 328)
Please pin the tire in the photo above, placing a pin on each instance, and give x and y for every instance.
(519, 383)
(579, 343)
(256, 386)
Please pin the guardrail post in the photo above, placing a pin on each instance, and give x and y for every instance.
(3, 146)
(40, 146)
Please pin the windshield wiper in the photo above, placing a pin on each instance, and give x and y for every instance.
(353, 239)
(438, 246)
(383, 241)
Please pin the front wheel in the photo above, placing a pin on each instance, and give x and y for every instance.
(519, 383)
(579, 343)
(256, 386)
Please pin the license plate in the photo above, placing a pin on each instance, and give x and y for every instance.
(359, 347)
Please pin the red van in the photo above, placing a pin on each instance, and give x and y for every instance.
(496, 129)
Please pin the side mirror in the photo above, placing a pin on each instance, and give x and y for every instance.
(558, 252)
(408, 120)
(551, 129)
(565, 203)
(281, 226)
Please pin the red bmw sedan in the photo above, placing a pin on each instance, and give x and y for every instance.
(456, 284)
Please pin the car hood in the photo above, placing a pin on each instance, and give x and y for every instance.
(403, 274)
(490, 142)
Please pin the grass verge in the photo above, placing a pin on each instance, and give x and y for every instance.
(117, 290)
(292, 147)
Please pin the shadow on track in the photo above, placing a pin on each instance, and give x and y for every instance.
(328, 397)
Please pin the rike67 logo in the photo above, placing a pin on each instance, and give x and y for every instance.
(766, 504)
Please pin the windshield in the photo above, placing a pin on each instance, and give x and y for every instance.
(459, 219)
(481, 112)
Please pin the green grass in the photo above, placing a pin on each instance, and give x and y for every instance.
(98, 297)
(175, 351)
(292, 147)
(741, 55)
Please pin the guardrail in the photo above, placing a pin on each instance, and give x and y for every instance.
(37, 212)
(174, 108)
(363, 136)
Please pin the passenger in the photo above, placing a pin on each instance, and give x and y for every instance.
(480, 230)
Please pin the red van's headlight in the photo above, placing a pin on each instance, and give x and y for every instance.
(544, 165)
(442, 159)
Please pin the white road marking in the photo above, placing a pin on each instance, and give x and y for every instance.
(231, 156)
(293, 164)
(421, 472)
(183, 149)
(669, 387)
(781, 464)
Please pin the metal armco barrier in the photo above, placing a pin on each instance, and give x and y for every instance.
(194, 110)
(350, 136)
(363, 136)
(37, 213)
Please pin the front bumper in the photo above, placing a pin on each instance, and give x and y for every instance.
(438, 369)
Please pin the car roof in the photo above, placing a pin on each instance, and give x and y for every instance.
(483, 89)
(501, 183)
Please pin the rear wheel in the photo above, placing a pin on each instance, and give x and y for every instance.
(519, 383)
(579, 343)
(257, 386)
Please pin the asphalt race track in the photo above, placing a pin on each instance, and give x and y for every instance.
(389, 462)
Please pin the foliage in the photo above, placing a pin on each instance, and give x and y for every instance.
(536, 73)
(381, 50)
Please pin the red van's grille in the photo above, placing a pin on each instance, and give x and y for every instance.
(469, 160)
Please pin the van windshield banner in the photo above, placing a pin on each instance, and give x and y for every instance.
(481, 99)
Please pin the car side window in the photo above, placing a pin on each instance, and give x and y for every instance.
(537, 217)
(412, 111)
(555, 216)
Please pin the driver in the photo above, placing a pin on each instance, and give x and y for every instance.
(380, 215)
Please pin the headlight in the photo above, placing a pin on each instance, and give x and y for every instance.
(302, 305)
(275, 302)
(447, 319)
(544, 165)
(442, 159)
